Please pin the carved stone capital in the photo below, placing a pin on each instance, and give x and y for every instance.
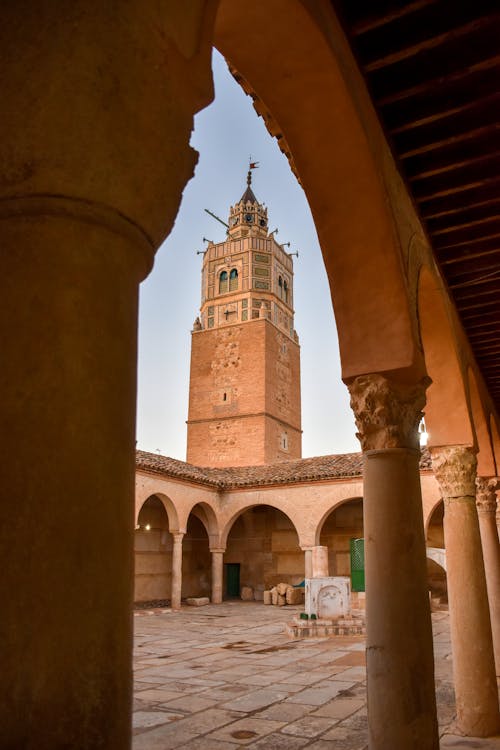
(486, 499)
(455, 470)
(387, 413)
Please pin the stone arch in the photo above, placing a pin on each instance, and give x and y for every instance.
(196, 559)
(428, 519)
(435, 518)
(283, 55)
(485, 457)
(330, 510)
(152, 551)
(446, 411)
(339, 525)
(495, 441)
(168, 504)
(208, 518)
(436, 556)
(226, 529)
(263, 543)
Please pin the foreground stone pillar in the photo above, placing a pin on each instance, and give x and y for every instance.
(400, 665)
(217, 574)
(97, 111)
(486, 504)
(473, 662)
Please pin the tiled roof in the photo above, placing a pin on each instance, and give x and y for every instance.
(341, 466)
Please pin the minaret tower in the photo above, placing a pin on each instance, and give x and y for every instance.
(244, 394)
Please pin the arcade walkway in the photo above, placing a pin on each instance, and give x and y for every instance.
(222, 677)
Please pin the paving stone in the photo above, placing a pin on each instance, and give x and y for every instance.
(157, 695)
(205, 743)
(352, 659)
(285, 711)
(454, 742)
(339, 708)
(308, 726)
(163, 738)
(144, 719)
(255, 700)
(246, 731)
(356, 674)
(177, 656)
(278, 741)
(316, 696)
(192, 703)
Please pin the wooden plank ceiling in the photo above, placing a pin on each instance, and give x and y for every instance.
(433, 71)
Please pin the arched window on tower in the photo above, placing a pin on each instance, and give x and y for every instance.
(280, 287)
(223, 282)
(233, 280)
(285, 291)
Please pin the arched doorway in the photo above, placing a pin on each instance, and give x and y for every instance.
(436, 573)
(263, 550)
(153, 552)
(196, 560)
(340, 526)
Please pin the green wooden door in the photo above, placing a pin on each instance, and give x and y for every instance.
(232, 579)
(358, 564)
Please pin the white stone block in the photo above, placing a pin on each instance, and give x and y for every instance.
(197, 601)
(328, 597)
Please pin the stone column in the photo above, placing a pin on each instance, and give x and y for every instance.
(175, 599)
(473, 661)
(217, 574)
(400, 665)
(308, 567)
(486, 504)
(320, 561)
(97, 111)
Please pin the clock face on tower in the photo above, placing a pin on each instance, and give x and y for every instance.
(262, 222)
(234, 220)
(248, 218)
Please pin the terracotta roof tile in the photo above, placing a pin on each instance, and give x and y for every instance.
(341, 466)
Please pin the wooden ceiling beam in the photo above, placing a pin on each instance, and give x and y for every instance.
(440, 82)
(375, 22)
(445, 165)
(493, 203)
(440, 114)
(428, 44)
(466, 225)
(475, 133)
(453, 191)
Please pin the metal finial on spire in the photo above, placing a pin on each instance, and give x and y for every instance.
(251, 165)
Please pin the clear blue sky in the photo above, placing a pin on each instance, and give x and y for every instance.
(225, 135)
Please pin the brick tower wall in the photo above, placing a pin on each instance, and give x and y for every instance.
(244, 399)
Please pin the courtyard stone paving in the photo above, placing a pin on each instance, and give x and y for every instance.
(226, 676)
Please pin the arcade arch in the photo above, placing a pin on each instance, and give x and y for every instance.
(485, 457)
(339, 526)
(196, 558)
(446, 410)
(152, 552)
(436, 565)
(263, 542)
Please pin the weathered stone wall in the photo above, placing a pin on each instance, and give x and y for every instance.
(243, 378)
(340, 527)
